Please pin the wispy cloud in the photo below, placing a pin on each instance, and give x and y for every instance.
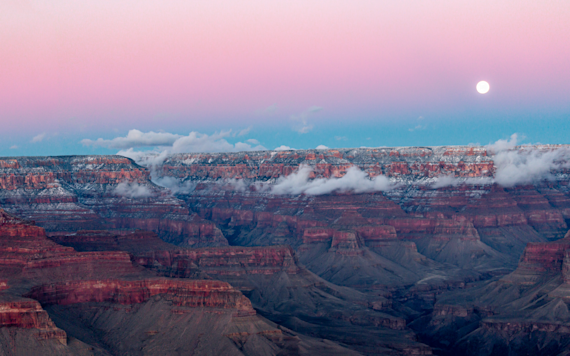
(243, 132)
(270, 110)
(302, 119)
(39, 138)
(418, 127)
(13, 147)
(504, 144)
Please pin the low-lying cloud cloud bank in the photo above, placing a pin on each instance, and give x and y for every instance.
(516, 164)
(176, 186)
(452, 181)
(354, 180)
(528, 165)
(132, 190)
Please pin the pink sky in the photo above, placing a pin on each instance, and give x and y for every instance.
(121, 63)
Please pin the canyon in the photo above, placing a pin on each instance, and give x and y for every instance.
(371, 251)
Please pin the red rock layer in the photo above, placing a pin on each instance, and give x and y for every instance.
(25, 247)
(544, 257)
(184, 230)
(392, 162)
(186, 293)
(28, 314)
(221, 261)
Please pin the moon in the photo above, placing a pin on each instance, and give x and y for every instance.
(483, 87)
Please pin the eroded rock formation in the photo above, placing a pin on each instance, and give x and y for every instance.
(443, 255)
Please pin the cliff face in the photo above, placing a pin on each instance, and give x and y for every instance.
(91, 291)
(525, 311)
(28, 314)
(96, 192)
(392, 162)
(187, 293)
(108, 284)
(443, 199)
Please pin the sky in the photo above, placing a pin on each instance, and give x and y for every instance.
(102, 76)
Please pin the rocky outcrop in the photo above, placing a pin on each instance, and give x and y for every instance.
(219, 261)
(28, 314)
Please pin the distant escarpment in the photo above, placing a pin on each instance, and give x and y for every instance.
(391, 162)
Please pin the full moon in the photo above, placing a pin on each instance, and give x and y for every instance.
(483, 87)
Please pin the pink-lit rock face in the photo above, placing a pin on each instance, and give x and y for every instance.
(392, 162)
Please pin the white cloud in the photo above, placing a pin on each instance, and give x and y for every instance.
(173, 143)
(253, 141)
(322, 147)
(13, 147)
(283, 148)
(197, 142)
(145, 158)
(240, 146)
(135, 138)
(176, 186)
(452, 181)
(502, 145)
(237, 185)
(354, 180)
(303, 119)
(525, 164)
(445, 181)
(132, 190)
(528, 165)
(340, 138)
(38, 138)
